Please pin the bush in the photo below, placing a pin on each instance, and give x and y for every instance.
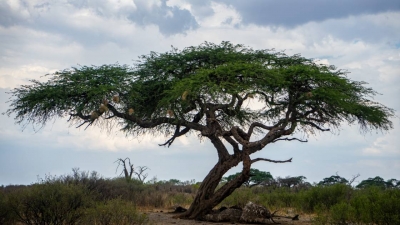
(376, 205)
(115, 211)
(325, 195)
(6, 217)
(51, 203)
(341, 213)
(239, 197)
(372, 205)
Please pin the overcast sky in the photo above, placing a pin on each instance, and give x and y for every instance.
(39, 37)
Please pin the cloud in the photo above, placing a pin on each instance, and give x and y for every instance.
(291, 13)
(384, 146)
(84, 18)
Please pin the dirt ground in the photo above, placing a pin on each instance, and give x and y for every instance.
(158, 217)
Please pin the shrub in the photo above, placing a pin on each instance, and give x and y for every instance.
(325, 195)
(341, 213)
(115, 211)
(6, 217)
(181, 199)
(376, 205)
(239, 197)
(50, 203)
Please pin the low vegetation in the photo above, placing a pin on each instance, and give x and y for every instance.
(87, 198)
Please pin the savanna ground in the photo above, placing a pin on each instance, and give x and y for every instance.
(159, 216)
(83, 198)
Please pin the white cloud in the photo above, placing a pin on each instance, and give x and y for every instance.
(387, 145)
(223, 16)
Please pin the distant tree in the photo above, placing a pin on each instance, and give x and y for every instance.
(128, 170)
(206, 90)
(256, 177)
(393, 183)
(379, 182)
(127, 167)
(140, 173)
(334, 179)
(291, 181)
(174, 182)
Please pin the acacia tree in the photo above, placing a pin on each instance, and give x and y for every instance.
(205, 89)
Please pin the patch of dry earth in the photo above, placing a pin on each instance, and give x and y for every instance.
(165, 217)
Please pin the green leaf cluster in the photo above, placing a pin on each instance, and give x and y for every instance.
(165, 90)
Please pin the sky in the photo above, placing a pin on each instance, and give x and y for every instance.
(38, 37)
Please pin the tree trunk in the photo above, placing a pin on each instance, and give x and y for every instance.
(207, 197)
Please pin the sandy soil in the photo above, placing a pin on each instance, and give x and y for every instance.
(158, 217)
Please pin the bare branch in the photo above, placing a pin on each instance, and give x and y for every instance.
(82, 123)
(240, 136)
(289, 139)
(91, 122)
(179, 133)
(140, 172)
(257, 124)
(353, 178)
(234, 144)
(270, 160)
(176, 134)
(316, 126)
(128, 175)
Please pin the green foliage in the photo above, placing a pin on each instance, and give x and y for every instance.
(341, 213)
(375, 205)
(181, 199)
(334, 179)
(238, 198)
(379, 182)
(86, 198)
(256, 177)
(290, 182)
(327, 196)
(49, 204)
(6, 215)
(181, 83)
(114, 211)
(175, 181)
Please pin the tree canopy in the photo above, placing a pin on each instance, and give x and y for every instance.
(177, 88)
(379, 182)
(332, 180)
(256, 177)
(207, 89)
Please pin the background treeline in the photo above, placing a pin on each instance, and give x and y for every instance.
(88, 198)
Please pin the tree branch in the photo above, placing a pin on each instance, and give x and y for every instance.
(289, 139)
(234, 144)
(270, 160)
(178, 133)
(316, 126)
(257, 124)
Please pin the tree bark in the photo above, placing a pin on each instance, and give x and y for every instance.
(207, 196)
